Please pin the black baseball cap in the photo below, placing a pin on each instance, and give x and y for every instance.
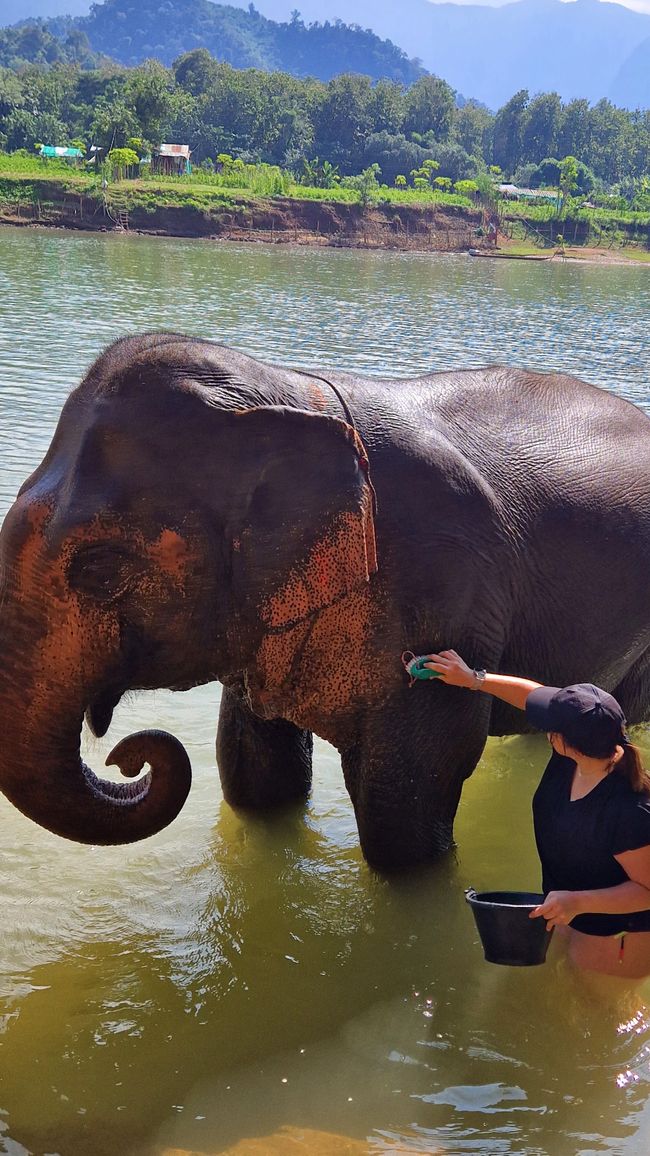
(589, 718)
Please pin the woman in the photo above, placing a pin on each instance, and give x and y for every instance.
(591, 813)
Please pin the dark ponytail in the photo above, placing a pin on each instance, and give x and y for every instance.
(631, 767)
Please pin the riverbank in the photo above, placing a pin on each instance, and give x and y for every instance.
(233, 217)
(575, 255)
(228, 215)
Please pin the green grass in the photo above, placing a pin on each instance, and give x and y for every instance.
(26, 179)
(152, 194)
(544, 213)
(641, 255)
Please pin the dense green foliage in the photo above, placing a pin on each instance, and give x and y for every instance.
(131, 31)
(348, 123)
(37, 43)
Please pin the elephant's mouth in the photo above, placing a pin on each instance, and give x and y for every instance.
(99, 713)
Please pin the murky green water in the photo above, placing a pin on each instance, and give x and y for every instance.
(234, 977)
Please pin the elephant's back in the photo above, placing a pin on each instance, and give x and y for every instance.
(548, 434)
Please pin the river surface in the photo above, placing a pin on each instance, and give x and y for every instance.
(237, 978)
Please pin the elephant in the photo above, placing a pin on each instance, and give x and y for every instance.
(201, 515)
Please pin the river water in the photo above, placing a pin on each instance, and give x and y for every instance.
(237, 978)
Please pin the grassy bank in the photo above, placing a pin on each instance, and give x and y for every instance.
(261, 201)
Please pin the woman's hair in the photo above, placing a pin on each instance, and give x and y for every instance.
(631, 767)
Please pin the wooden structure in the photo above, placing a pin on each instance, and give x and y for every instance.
(172, 160)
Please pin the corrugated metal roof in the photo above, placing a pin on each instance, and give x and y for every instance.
(174, 150)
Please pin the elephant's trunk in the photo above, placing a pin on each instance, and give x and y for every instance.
(42, 774)
(52, 666)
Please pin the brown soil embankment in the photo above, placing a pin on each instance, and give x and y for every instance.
(327, 223)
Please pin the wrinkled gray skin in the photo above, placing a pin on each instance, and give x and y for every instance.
(201, 515)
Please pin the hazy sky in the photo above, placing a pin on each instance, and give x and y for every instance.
(20, 9)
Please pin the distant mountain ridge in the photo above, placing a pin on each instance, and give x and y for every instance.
(585, 49)
(130, 31)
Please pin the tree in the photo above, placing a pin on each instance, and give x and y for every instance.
(611, 141)
(568, 179)
(466, 189)
(540, 127)
(344, 119)
(574, 130)
(429, 108)
(455, 163)
(487, 191)
(366, 185)
(319, 174)
(11, 92)
(120, 161)
(387, 107)
(113, 124)
(196, 71)
(147, 93)
(508, 132)
(472, 129)
(393, 154)
(23, 129)
(423, 177)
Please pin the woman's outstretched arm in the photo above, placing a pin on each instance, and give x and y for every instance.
(453, 670)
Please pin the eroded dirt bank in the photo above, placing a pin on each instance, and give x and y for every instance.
(303, 222)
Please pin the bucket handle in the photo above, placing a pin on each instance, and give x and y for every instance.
(470, 894)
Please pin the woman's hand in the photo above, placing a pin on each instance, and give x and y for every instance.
(558, 908)
(452, 669)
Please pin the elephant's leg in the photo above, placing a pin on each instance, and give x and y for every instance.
(261, 763)
(406, 771)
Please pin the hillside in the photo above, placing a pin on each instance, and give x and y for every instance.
(130, 31)
(582, 49)
(632, 82)
(586, 49)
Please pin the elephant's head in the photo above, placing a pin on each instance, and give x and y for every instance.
(176, 525)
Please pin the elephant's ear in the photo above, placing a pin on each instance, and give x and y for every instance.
(303, 530)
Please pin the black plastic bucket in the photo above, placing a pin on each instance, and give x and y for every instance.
(507, 932)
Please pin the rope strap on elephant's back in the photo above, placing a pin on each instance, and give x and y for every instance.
(362, 453)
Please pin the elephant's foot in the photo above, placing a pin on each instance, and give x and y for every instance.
(261, 763)
(406, 774)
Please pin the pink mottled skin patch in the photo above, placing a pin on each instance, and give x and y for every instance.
(319, 665)
(317, 397)
(68, 645)
(344, 557)
(315, 675)
(172, 555)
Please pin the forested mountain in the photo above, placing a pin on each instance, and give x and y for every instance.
(586, 49)
(577, 50)
(55, 42)
(130, 31)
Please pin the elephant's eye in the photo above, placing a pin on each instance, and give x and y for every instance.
(102, 571)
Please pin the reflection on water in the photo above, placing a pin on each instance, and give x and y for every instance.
(239, 977)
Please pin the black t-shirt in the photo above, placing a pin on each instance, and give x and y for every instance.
(577, 841)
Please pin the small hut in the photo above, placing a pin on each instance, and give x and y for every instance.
(172, 160)
(51, 151)
(514, 193)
